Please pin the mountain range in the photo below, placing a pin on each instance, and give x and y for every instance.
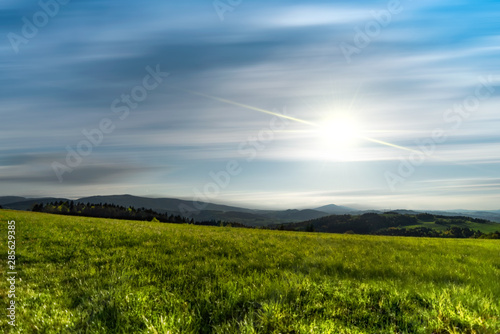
(200, 211)
(203, 211)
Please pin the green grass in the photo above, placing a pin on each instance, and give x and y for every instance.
(83, 275)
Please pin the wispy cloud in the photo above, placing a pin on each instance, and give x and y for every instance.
(269, 55)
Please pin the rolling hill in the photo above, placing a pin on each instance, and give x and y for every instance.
(394, 223)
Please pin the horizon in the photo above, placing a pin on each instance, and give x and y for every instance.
(253, 207)
(285, 105)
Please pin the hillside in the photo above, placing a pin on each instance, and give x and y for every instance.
(395, 223)
(107, 276)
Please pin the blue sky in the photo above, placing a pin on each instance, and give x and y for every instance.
(269, 104)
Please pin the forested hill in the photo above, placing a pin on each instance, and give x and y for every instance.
(393, 223)
(70, 208)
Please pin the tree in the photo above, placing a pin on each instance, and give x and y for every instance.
(310, 228)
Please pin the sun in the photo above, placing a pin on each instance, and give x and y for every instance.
(340, 131)
(338, 136)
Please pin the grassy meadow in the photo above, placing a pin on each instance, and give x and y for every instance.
(85, 275)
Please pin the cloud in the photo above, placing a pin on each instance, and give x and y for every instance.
(270, 55)
(35, 168)
(85, 175)
(311, 15)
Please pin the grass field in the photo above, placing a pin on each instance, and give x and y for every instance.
(82, 275)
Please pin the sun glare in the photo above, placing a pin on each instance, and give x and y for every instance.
(338, 136)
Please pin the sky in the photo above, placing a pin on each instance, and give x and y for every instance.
(262, 104)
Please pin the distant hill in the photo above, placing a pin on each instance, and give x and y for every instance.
(488, 215)
(296, 215)
(335, 209)
(219, 212)
(394, 223)
(26, 204)
(11, 199)
(174, 206)
(259, 218)
(210, 211)
(158, 204)
(493, 216)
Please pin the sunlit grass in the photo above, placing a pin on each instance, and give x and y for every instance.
(106, 276)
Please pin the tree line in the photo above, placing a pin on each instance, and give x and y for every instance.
(450, 232)
(112, 211)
